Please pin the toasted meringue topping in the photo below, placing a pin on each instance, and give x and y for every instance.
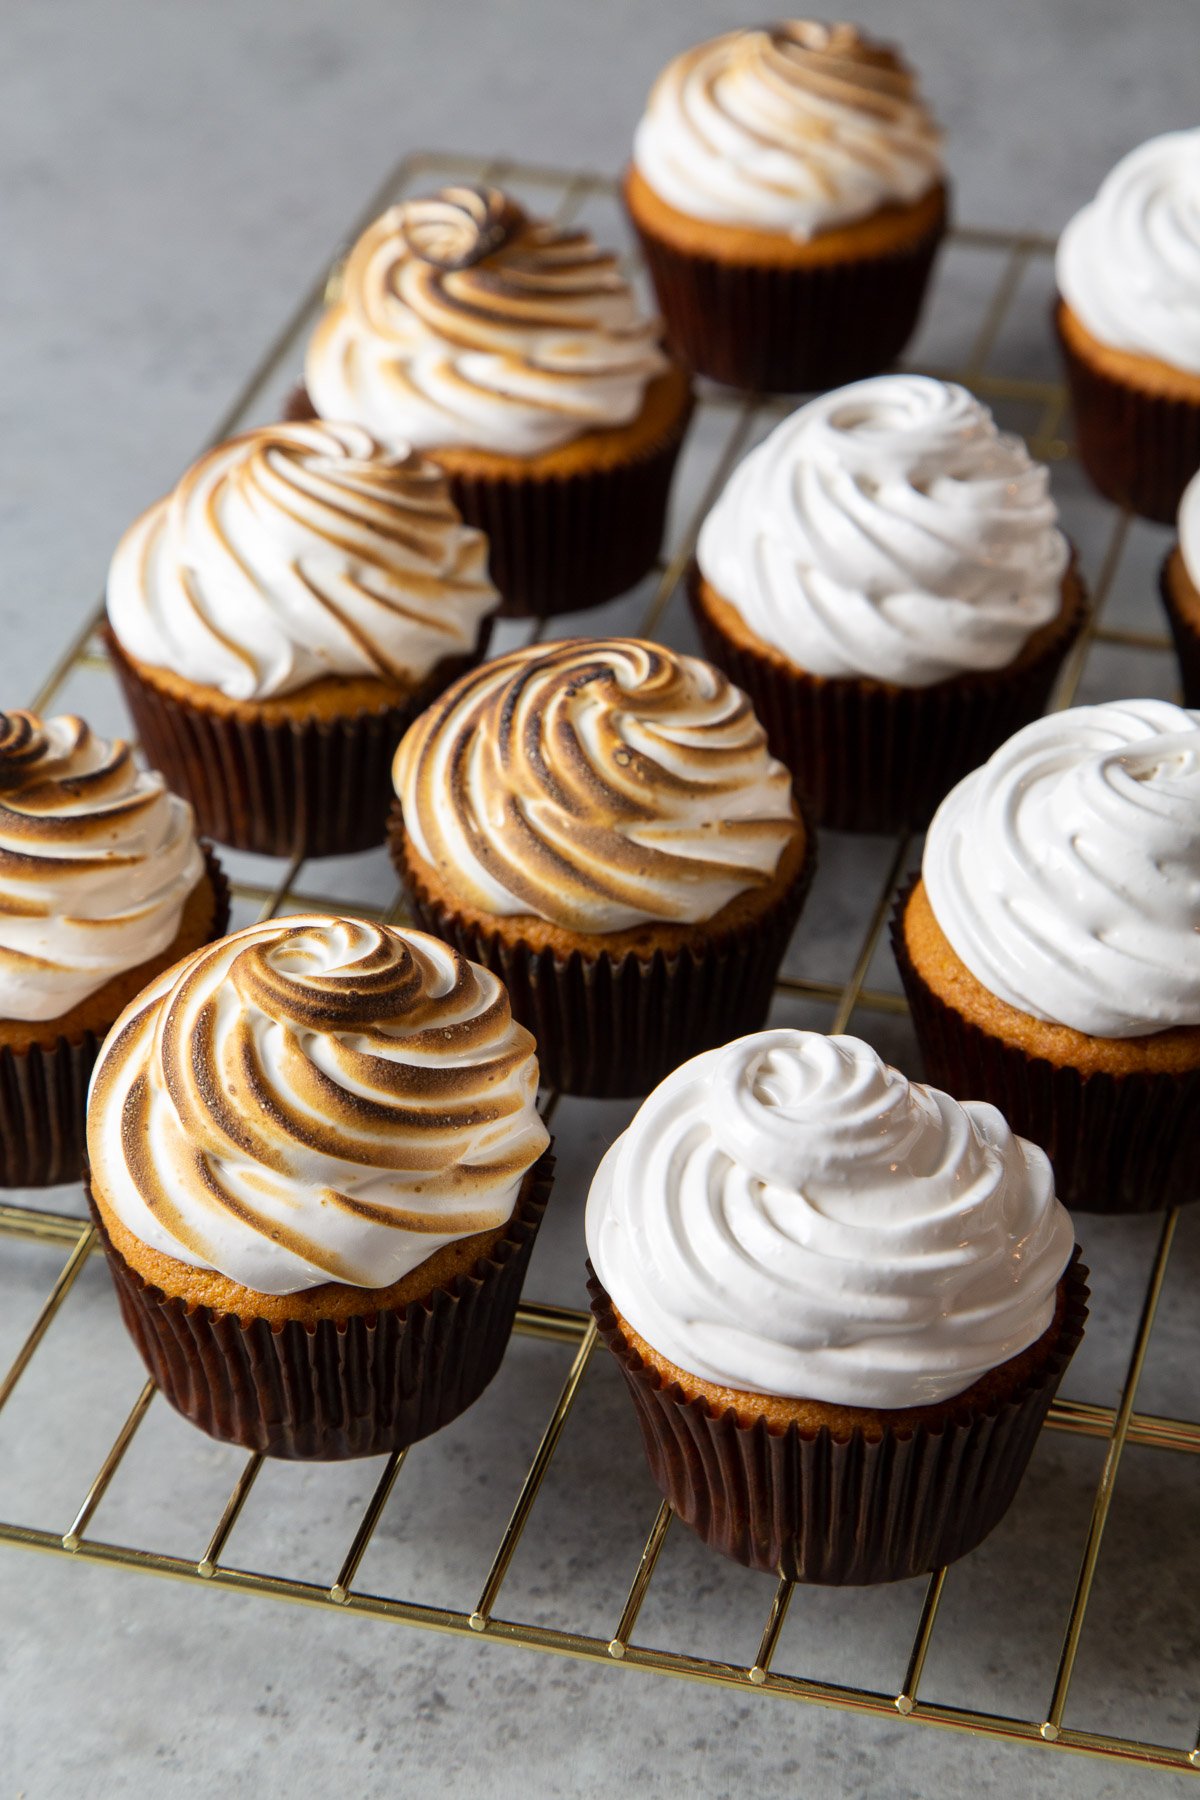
(595, 783)
(458, 226)
(96, 862)
(795, 127)
(296, 552)
(315, 1099)
(460, 322)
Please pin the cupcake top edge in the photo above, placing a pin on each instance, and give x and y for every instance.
(794, 128)
(315, 1099)
(788, 1215)
(300, 551)
(97, 860)
(889, 529)
(1128, 262)
(1065, 872)
(462, 323)
(598, 784)
(1189, 529)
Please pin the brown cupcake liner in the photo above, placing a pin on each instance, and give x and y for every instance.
(559, 544)
(787, 330)
(841, 1511)
(870, 756)
(613, 1026)
(1139, 448)
(1184, 633)
(312, 787)
(364, 1386)
(43, 1089)
(1118, 1143)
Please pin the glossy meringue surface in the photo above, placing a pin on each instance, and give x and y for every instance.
(789, 1215)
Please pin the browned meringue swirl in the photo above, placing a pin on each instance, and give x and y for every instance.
(96, 862)
(458, 226)
(294, 552)
(595, 783)
(460, 321)
(794, 127)
(315, 1099)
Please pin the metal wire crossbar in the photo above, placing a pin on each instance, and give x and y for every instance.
(737, 420)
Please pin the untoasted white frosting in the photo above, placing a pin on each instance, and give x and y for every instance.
(1128, 263)
(1189, 529)
(300, 551)
(97, 861)
(794, 128)
(788, 1215)
(1065, 873)
(889, 529)
(315, 1099)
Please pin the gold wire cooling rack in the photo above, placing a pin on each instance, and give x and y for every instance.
(1000, 263)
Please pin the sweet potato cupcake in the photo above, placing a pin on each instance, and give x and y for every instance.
(1180, 586)
(317, 1168)
(517, 356)
(279, 619)
(885, 578)
(787, 188)
(600, 822)
(1051, 948)
(102, 885)
(841, 1303)
(1128, 318)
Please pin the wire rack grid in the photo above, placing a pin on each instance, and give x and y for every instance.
(978, 316)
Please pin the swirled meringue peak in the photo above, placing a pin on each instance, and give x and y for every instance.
(889, 529)
(794, 127)
(315, 1099)
(1065, 873)
(598, 783)
(97, 860)
(788, 1215)
(1128, 263)
(296, 552)
(460, 322)
(1189, 529)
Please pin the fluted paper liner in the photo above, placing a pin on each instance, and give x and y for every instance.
(613, 1026)
(844, 1511)
(316, 787)
(774, 329)
(1118, 1143)
(1139, 448)
(363, 1386)
(43, 1090)
(872, 756)
(1185, 636)
(560, 543)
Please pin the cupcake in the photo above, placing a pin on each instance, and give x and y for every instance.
(516, 354)
(317, 1169)
(787, 188)
(1051, 948)
(885, 578)
(841, 1302)
(1128, 318)
(279, 619)
(600, 822)
(102, 886)
(1180, 586)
